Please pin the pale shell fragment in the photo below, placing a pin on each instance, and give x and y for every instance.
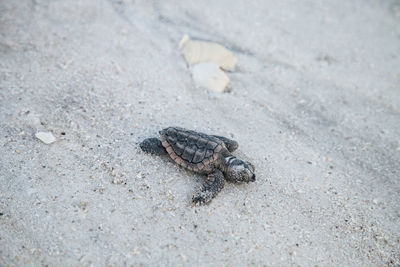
(210, 76)
(200, 51)
(45, 137)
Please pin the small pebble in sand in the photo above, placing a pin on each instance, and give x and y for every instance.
(200, 51)
(210, 76)
(45, 137)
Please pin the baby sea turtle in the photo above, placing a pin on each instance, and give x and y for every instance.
(205, 154)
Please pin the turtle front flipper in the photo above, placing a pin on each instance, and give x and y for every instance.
(211, 187)
(154, 146)
(230, 144)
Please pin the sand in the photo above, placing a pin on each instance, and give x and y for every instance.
(314, 103)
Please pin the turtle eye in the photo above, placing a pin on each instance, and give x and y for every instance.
(251, 166)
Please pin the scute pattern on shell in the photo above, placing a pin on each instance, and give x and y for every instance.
(190, 149)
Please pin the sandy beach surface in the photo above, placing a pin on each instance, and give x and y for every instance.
(314, 103)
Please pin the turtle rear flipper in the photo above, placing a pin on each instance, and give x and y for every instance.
(214, 183)
(230, 144)
(154, 146)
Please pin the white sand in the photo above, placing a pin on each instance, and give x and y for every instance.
(314, 104)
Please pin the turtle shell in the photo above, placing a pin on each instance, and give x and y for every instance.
(190, 149)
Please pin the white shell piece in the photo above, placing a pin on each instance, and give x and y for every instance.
(210, 76)
(200, 51)
(45, 137)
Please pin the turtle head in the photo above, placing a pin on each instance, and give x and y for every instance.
(238, 170)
